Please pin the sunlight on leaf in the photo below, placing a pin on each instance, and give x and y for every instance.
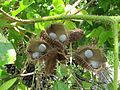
(21, 8)
(3, 73)
(7, 52)
(21, 86)
(96, 32)
(59, 85)
(61, 71)
(86, 85)
(59, 6)
(69, 25)
(8, 84)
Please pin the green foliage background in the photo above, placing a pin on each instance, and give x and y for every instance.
(15, 36)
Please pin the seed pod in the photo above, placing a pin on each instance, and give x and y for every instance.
(50, 59)
(89, 57)
(58, 31)
(75, 35)
(37, 48)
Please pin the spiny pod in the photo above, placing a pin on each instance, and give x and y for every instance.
(90, 57)
(75, 35)
(37, 48)
(55, 36)
(53, 43)
(57, 31)
(41, 51)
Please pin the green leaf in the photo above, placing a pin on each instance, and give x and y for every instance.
(7, 52)
(27, 2)
(96, 32)
(21, 86)
(69, 25)
(38, 28)
(3, 73)
(2, 23)
(6, 85)
(59, 85)
(86, 85)
(104, 4)
(103, 37)
(59, 6)
(30, 15)
(58, 3)
(59, 9)
(110, 86)
(62, 70)
(87, 75)
(110, 33)
(21, 8)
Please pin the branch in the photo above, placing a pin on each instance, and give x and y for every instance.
(63, 17)
(19, 75)
(116, 53)
(8, 16)
(27, 74)
(11, 17)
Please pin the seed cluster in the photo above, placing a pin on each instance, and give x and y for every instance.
(52, 47)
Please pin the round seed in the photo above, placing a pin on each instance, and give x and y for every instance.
(35, 55)
(94, 64)
(88, 53)
(62, 38)
(52, 35)
(42, 47)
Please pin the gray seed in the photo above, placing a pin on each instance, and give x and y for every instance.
(62, 38)
(88, 53)
(35, 55)
(42, 47)
(94, 64)
(52, 35)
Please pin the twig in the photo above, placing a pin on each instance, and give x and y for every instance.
(27, 74)
(88, 4)
(73, 6)
(12, 18)
(7, 15)
(19, 75)
(22, 33)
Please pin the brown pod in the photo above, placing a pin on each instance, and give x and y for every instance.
(75, 35)
(50, 61)
(37, 48)
(55, 44)
(43, 52)
(57, 31)
(44, 37)
(90, 57)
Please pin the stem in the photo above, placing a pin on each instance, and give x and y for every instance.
(116, 52)
(60, 17)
